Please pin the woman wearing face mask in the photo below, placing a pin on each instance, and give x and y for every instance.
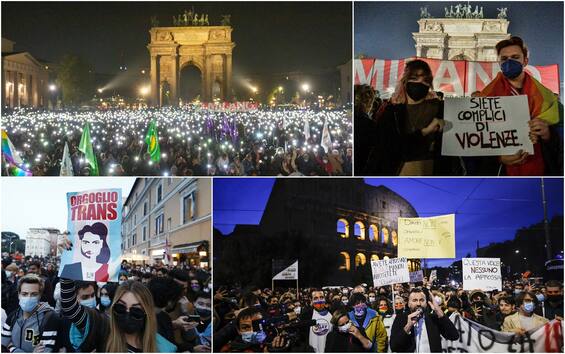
(525, 319)
(345, 338)
(409, 128)
(131, 326)
(107, 293)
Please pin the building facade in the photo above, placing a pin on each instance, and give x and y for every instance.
(333, 227)
(168, 219)
(41, 242)
(24, 79)
(462, 36)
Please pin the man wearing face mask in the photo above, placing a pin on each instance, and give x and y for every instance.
(544, 113)
(250, 339)
(420, 330)
(316, 335)
(165, 292)
(369, 322)
(553, 304)
(34, 325)
(525, 319)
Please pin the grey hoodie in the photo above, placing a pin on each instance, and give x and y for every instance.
(21, 335)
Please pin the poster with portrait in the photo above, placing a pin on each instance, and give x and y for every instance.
(94, 225)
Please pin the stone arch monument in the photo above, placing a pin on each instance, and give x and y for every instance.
(461, 34)
(208, 48)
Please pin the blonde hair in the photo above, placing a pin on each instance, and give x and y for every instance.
(116, 340)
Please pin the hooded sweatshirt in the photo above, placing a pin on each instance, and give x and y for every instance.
(21, 335)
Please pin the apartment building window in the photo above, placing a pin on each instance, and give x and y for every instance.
(145, 208)
(144, 233)
(133, 239)
(159, 221)
(169, 222)
(188, 207)
(159, 193)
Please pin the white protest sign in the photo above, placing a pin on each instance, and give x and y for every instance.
(417, 276)
(390, 271)
(289, 273)
(476, 338)
(482, 273)
(486, 126)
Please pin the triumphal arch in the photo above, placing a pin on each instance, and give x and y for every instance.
(208, 48)
(461, 33)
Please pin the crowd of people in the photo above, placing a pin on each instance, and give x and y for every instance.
(402, 135)
(153, 308)
(374, 319)
(193, 141)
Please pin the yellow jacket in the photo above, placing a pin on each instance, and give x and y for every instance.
(512, 322)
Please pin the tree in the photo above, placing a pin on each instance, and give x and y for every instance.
(76, 80)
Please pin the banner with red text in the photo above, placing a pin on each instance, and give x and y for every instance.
(452, 77)
(95, 226)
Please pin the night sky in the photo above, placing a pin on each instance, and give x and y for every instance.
(384, 29)
(270, 37)
(487, 209)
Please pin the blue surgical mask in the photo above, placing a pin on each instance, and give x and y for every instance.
(511, 68)
(105, 301)
(253, 337)
(90, 303)
(529, 307)
(540, 297)
(360, 309)
(28, 303)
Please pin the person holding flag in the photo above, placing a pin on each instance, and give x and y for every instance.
(152, 141)
(85, 146)
(14, 164)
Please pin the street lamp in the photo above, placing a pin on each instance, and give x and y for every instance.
(144, 90)
(100, 90)
(254, 89)
(52, 88)
(305, 87)
(517, 251)
(280, 88)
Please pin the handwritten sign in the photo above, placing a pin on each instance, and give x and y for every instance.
(432, 237)
(288, 273)
(390, 271)
(94, 225)
(482, 273)
(486, 126)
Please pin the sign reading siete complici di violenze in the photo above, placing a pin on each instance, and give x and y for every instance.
(486, 126)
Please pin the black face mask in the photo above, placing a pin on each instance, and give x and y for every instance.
(555, 298)
(128, 324)
(417, 90)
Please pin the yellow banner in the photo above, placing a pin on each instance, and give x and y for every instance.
(432, 237)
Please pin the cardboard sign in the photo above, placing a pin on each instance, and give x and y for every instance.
(482, 273)
(432, 237)
(486, 126)
(95, 226)
(390, 271)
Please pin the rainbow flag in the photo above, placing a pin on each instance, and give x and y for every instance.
(15, 165)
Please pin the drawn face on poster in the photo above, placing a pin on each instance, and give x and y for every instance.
(95, 231)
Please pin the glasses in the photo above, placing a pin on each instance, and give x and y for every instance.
(134, 312)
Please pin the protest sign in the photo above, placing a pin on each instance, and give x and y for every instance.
(94, 224)
(417, 276)
(433, 275)
(432, 237)
(452, 77)
(476, 338)
(486, 126)
(285, 272)
(390, 271)
(482, 273)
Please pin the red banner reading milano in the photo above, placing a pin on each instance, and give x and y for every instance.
(452, 77)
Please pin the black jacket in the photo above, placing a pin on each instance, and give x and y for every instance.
(436, 327)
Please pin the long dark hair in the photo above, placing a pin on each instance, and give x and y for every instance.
(101, 230)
